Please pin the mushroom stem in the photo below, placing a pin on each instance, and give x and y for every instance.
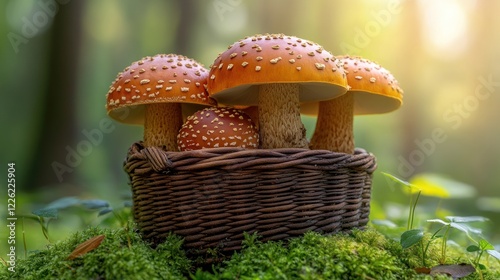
(162, 122)
(334, 127)
(279, 117)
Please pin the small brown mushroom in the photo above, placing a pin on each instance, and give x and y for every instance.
(150, 92)
(217, 127)
(373, 90)
(276, 72)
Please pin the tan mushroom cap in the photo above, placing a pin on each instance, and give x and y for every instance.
(375, 90)
(274, 58)
(216, 127)
(163, 78)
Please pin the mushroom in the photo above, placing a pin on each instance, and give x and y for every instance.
(276, 72)
(373, 90)
(215, 127)
(252, 112)
(150, 92)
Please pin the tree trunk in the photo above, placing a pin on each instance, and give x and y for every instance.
(57, 126)
(188, 17)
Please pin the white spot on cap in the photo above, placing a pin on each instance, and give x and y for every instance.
(275, 60)
(319, 66)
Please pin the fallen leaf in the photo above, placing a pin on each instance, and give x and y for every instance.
(423, 270)
(454, 270)
(86, 247)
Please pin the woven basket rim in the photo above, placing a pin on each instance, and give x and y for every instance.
(240, 158)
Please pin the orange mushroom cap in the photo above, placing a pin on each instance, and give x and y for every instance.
(375, 90)
(274, 58)
(216, 127)
(162, 78)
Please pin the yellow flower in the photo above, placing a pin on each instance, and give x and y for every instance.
(428, 187)
(436, 185)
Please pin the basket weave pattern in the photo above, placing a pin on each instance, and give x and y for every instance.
(211, 196)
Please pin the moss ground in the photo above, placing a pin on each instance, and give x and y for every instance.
(123, 255)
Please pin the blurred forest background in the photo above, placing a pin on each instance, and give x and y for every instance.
(59, 57)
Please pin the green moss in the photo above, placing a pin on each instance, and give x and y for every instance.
(123, 255)
(361, 255)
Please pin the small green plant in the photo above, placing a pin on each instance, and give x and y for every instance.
(413, 202)
(480, 248)
(46, 215)
(416, 236)
(458, 223)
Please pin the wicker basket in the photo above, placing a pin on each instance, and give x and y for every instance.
(211, 196)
